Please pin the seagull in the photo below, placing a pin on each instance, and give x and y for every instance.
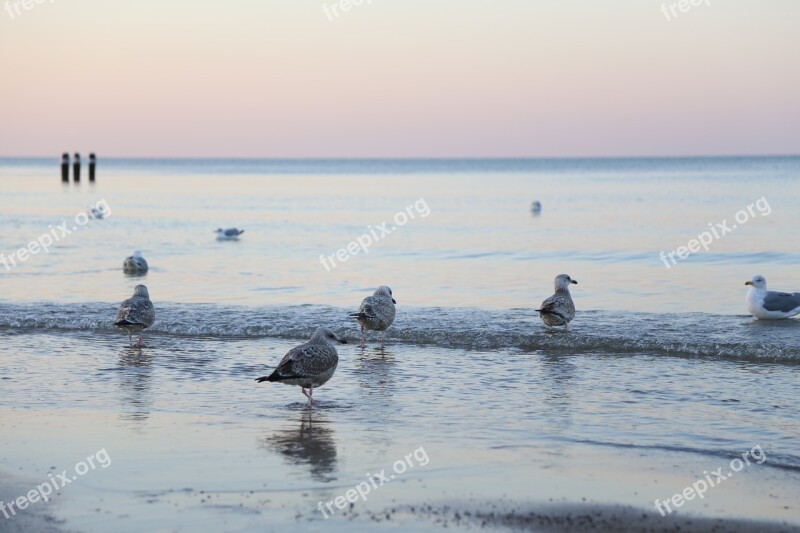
(536, 207)
(309, 365)
(135, 264)
(136, 313)
(376, 312)
(230, 234)
(97, 212)
(770, 305)
(559, 310)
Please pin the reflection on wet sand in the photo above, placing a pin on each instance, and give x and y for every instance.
(135, 372)
(311, 445)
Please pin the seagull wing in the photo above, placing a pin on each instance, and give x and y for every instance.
(781, 301)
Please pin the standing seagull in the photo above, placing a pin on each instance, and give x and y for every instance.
(230, 234)
(136, 313)
(135, 264)
(559, 310)
(376, 313)
(309, 365)
(769, 305)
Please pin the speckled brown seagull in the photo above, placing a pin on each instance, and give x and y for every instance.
(376, 312)
(559, 310)
(309, 365)
(136, 313)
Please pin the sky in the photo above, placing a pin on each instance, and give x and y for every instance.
(399, 78)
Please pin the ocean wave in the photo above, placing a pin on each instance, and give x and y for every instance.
(599, 332)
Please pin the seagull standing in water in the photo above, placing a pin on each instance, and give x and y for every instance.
(770, 305)
(376, 313)
(230, 234)
(309, 365)
(559, 309)
(136, 313)
(135, 264)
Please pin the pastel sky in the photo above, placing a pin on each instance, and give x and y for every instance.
(399, 78)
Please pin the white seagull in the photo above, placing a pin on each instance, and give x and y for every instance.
(770, 305)
(230, 234)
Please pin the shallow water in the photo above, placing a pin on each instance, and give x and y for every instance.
(184, 424)
(661, 377)
(603, 221)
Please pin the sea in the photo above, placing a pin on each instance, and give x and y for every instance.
(661, 376)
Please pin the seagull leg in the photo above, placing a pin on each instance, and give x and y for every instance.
(139, 343)
(382, 338)
(307, 394)
(310, 394)
(130, 339)
(363, 338)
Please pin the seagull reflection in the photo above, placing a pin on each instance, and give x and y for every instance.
(557, 391)
(312, 445)
(373, 371)
(135, 372)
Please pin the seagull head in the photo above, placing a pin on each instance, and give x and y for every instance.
(758, 282)
(385, 291)
(141, 291)
(563, 281)
(327, 336)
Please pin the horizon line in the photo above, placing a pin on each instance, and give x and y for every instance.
(411, 158)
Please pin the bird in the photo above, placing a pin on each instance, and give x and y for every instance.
(230, 234)
(136, 313)
(97, 212)
(536, 207)
(135, 264)
(376, 313)
(770, 305)
(559, 310)
(309, 365)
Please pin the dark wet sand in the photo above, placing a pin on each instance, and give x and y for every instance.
(562, 518)
(36, 518)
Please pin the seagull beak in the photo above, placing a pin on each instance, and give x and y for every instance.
(574, 282)
(342, 341)
(748, 282)
(394, 301)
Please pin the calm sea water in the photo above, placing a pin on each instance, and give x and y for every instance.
(663, 374)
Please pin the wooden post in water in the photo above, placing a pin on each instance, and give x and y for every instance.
(65, 167)
(92, 163)
(76, 168)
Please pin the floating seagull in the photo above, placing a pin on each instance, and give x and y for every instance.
(536, 207)
(230, 234)
(97, 212)
(135, 264)
(769, 305)
(309, 365)
(559, 310)
(136, 313)
(376, 312)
